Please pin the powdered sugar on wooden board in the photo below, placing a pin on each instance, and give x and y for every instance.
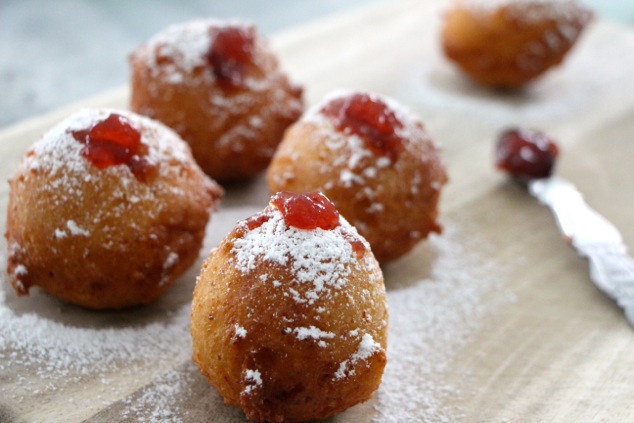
(50, 350)
(440, 294)
(47, 348)
(434, 317)
(569, 96)
(66, 347)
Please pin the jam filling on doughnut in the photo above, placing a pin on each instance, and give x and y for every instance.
(357, 246)
(526, 153)
(306, 211)
(230, 53)
(257, 220)
(115, 141)
(369, 118)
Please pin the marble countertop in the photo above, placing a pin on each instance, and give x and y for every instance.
(56, 53)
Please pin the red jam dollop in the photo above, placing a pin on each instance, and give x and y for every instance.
(230, 53)
(115, 141)
(526, 153)
(257, 220)
(306, 211)
(369, 118)
(357, 245)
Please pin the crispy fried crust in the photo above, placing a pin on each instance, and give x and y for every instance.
(100, 238)
(513, 43)
(246, 330)
(393, 206)
(233, 132)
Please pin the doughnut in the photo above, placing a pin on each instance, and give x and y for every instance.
(374, 160)
(219, 85)
(289, 317)
(508, 43)
(106, 210)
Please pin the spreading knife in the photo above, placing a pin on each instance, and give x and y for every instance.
(530, 156)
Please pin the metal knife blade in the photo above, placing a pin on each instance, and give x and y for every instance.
(594, 238)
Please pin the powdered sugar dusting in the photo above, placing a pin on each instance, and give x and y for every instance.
(409, 130)
(367, 348)
(528, 10)
(360, 170)
(176, 54)
(355, 156)
(21, 269)
(185, 46)
(240, 332)
(59, 153)
(171, 260)
(253, 378)
(322, 258)
(311, 332)
(75, 230)
(161, 401)
(431, 319)
(559, 22)
(49, 349)
(60, 356)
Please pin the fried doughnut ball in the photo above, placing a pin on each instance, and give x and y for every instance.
(220, 87)
(508, 43)
(289, 317)
(374, 160)
(106, 210)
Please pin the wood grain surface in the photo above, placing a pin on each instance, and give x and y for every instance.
(544, 345)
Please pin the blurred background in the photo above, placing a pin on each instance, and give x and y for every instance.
(53, 53)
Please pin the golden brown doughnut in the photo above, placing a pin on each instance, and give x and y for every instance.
(290, 324)
(220, 87)
(507, 43)
(106, 210)
(374, 160)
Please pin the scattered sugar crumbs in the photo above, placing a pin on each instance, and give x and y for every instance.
(46, 357)
(431, 318)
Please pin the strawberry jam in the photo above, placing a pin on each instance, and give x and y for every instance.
(257, 220)
(526, 153)
(230, 53)
(369, 118)
(306, 211)
(357, 245)
(115, 141)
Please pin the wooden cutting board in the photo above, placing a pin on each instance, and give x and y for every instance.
(494, 320)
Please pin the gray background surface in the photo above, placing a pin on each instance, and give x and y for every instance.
(53, 53)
